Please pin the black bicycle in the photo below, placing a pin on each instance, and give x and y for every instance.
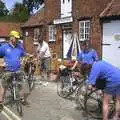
(30, 69)
(15, 85)
(67, 83)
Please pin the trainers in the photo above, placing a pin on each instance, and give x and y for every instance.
(1, 107)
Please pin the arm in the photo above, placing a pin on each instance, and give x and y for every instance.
(95, 56)
(94, 74)
(75, 64)
(78, 61)
(2, 54)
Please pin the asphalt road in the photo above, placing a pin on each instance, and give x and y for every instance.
(45, 104)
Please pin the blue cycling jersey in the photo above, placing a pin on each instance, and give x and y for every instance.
(88, 57)
(104, 70)
(12, 56)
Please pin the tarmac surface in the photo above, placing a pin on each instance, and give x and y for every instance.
(45, 104)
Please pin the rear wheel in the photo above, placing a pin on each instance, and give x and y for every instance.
(64, 88)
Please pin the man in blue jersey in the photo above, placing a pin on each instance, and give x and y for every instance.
(103, 75)
(11, 53)
(87, 54)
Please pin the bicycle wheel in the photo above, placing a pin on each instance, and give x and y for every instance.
(64, 88)
(80, 94)
(93, 105)
(17, 99)
(31, 82)
(19, 107)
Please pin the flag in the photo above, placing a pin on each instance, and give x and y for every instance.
(74, 48)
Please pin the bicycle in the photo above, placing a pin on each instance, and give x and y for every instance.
(14, 86)
(92, 104)
(30, 69)
(67, 83)
(81, 92)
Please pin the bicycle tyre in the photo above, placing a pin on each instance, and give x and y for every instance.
(80, 94)
(19, 107)
(93, 105)
(62, 89)
(17, 99)
(31, 83)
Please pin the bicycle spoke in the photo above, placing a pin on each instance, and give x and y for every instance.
(93, 105)
(63, 87)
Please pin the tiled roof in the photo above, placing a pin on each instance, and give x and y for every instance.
(90, 8)
(35, 20)
(113, 9)
(6, 27)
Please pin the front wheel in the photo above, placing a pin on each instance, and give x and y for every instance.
(31, 82)
(19, 107)
(93, 105)
(81, 93)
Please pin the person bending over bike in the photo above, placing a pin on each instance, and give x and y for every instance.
(11, 53)
(103, 75)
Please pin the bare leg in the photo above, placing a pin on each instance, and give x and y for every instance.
(106, 99)
(45, 75)
(117, 108)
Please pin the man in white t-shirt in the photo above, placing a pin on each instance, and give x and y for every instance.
(43, 53)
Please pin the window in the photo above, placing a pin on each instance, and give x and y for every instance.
(36, 33)
(52, 32)
(84, 30)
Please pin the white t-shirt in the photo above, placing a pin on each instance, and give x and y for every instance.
(43, 50)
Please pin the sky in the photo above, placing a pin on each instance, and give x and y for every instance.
(9, 3)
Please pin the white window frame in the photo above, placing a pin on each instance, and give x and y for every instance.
(36, 34)
(84, 30)
(52, 32)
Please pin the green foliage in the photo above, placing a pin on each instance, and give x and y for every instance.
(32, 5)
(20, 12)
(3, 9)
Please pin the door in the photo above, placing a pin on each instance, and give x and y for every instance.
(111, 42)
(67, 39)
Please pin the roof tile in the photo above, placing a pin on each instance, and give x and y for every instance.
(113, 9)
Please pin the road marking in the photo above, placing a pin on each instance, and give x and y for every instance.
(12, 113)
(6, 115)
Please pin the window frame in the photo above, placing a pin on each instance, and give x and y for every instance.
(52, 32)
(84, 30)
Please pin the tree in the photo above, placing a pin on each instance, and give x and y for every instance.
(19, 12)
(32, 5)
(3, 10)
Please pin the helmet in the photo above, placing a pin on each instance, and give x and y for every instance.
(14, 33)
